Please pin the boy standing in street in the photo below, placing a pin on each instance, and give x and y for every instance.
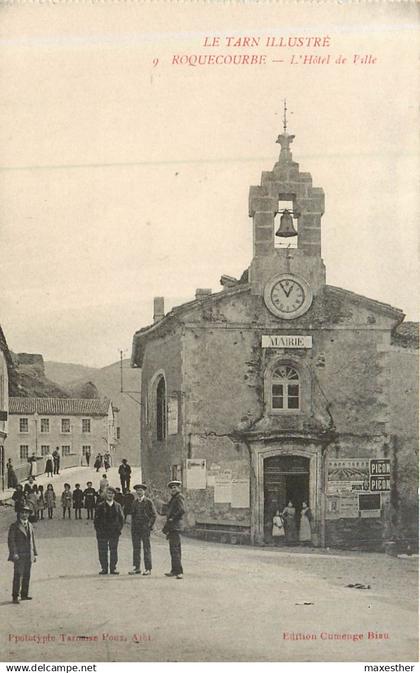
(22, 553)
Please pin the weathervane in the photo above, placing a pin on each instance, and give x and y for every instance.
(285, 117)
(285, 139)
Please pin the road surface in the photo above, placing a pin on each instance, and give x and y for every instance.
(236, 603)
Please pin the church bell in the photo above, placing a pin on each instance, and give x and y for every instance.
(286, 227)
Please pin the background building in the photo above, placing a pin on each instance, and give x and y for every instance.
(40, 424)
(282, 387)
(5, 365)
(106, 382)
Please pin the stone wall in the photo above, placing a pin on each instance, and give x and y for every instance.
(163, 355)
(404, 442)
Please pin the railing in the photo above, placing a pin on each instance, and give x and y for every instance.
(22, 471)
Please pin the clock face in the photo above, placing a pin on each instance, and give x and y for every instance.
(288, 296)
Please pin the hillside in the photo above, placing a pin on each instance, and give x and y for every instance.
(107, 381)
(28, 378)
(65, 372)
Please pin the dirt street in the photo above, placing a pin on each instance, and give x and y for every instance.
(234, 604)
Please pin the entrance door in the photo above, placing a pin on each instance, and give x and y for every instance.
(286, 478)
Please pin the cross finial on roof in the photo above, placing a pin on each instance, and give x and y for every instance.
(285, 139)
(285, 117)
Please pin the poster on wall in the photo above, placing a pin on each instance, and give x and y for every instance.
(347, 475)
(333, 507)
(342, 507)
(196, 473)
(240, 493)
(223, 487)
(173, 415)
(349, 507)
(212, 471)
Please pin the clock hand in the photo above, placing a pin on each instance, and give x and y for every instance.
(287, 293)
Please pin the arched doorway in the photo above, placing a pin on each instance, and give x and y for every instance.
(286, 478)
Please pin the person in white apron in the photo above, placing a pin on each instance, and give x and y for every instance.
(278, 528)
(305, 530)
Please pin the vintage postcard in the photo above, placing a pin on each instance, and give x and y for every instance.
(209, 336)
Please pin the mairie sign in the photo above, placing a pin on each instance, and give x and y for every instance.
(285, 341)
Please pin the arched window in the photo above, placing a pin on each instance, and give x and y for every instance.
(285, 388)
(161, 409)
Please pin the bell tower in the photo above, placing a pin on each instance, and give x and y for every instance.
(286, 211)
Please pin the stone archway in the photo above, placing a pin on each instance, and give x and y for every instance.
(288, 448)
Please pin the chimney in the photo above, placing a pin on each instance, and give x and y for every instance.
(202, 292)
(228, 281)
(158, 308)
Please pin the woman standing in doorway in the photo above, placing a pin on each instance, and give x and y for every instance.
(289, 517)
(305, 530)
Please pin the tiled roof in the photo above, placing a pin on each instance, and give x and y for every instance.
(58, 406)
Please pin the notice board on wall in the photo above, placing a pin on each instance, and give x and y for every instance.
(223, 487)
(240, 493)
(196, 473)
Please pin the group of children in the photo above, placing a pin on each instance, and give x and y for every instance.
(39, 499)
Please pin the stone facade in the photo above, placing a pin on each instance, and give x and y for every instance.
(5, 365)
(219, 366)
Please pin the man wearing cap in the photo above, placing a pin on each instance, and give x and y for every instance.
(22, 552)
(173, 527)
(108, 522)
(143, 517)
(124, 471)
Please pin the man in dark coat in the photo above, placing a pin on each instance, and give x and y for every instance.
(56, 460)
(108, 522)
(22, 552)
(124, 471)
(143, 517)
(173, 527)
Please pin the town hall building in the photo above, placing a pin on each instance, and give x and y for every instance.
(281, 388)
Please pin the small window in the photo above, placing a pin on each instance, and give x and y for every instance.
(86, 448)
(65, 450)
(85, 424)
(65, 425)
(161, 409)
(45, 424)
(24, 451)
(118, 432)
(23, 425)
(45, 449)
(285, 389)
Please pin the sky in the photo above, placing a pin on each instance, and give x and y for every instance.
(124, 175)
